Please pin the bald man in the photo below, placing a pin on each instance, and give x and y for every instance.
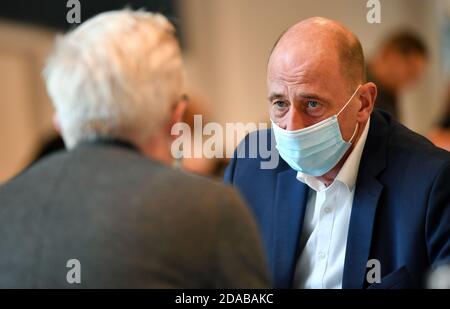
(357, 200)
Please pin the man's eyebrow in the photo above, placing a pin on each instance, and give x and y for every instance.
(307, 95)
(275, 96)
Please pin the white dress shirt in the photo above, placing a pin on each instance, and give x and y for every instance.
(325, 226)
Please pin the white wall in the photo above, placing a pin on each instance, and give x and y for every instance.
(25, 110)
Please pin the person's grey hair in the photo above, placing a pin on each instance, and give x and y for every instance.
(116, 76)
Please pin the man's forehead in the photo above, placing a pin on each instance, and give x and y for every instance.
(303, 75)
(300, 64)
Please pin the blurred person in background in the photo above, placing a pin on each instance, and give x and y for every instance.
(440, 136)
(212, 167)
(397, 66)
(109, 201)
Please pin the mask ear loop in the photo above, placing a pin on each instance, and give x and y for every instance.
(354, 133)
(349, 100)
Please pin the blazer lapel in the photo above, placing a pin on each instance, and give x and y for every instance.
(364, 207)
(367, 193)
(289, 211)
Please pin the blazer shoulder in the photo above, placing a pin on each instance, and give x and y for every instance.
(257, 150)
(406, 149)
(412, 145)
(255, 140)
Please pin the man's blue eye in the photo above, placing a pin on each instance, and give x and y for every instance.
(313, 104)
(280, 104)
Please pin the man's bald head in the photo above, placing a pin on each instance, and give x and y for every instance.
(329, 39)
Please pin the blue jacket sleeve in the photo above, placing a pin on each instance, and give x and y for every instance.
(438, 219)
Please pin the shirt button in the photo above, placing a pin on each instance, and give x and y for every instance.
(327, 210)
(321, 255)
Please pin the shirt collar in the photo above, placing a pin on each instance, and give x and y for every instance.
(348, 172)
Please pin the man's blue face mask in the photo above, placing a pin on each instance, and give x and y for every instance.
(316, 149)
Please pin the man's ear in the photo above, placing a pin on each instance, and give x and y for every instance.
(178, 111)
(367, 97)
(56, 123)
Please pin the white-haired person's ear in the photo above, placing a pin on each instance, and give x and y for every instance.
(56, 123)
(177, 113)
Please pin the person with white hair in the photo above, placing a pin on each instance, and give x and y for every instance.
(117, 76)
(107, 213)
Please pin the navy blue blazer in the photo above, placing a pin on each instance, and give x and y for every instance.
(400, 213)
